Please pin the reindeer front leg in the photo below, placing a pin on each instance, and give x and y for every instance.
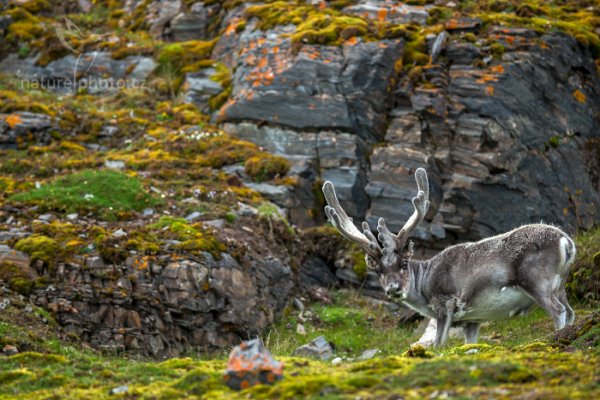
(444, 318)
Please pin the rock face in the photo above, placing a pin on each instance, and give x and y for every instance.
(501, 149)
(344, 88)
(163, 307)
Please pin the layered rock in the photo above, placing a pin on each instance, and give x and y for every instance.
(320, 88)
(165, 306)
(501, 148)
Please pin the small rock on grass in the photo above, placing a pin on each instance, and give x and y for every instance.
(300, 329)
(250, 364)
(368, 354)
(119, 390)
(318, 348)
(10, 350)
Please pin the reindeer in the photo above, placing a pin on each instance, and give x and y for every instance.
(468, 283)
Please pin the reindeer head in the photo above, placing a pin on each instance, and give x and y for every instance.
(387, 254)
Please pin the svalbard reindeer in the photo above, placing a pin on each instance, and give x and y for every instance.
(468, 283)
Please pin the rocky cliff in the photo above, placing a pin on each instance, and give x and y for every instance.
(221, 120)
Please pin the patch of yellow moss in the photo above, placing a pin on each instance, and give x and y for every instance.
(39, 247)
(262, 167)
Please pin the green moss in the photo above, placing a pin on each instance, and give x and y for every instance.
(359, 264)
(417, 351)
(105, 191)
(39, 247)
(173, 58)
(472, 348)
(18, 279)
(583, 284)
(194, 238)
(265, 166)
(34, 358)
(497, 50)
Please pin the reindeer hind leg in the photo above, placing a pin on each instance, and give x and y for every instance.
(471, 332)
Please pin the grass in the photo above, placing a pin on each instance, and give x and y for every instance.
(104, 190)
(510, 362)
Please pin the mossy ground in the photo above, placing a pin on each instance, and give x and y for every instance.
(511, 361)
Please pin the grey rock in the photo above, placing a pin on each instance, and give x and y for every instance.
(25, 127)
(315, 271)
(395, 12)
(462, 53)
(193, 216)
(119, 390)
(214, 223)
(114, 164)
(318, 348)
(368, 354)
(72, 216)
(119, 233)
(438, 45)
(199, 88)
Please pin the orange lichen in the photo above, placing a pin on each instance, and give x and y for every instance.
(578, 94)
(13, 120)
(489, 90)
(497, 69)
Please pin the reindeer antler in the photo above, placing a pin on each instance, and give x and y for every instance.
(421, 204)
(388, 255)
(340, 220)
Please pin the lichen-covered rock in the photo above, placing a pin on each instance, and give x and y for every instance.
(251, 364)
(345, 88)
(19, 128)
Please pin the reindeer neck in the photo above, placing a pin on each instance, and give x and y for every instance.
(419, 272)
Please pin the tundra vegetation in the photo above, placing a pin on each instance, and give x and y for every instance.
(172, 153)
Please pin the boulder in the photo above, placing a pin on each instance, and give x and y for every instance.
(251, 364)
(318, 348)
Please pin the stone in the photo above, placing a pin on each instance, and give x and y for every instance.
(199, 87)
(215, 223)
(368, 354)
(72, 216)
(119, 233)
(119, 390)
(300, 329)
(10, 350)
(25, 127)
(393, 12)
(463, 24)
(250, 364)
(18, 258)
(318, 348)
(114, 164)
(438, 45)
(193, 216)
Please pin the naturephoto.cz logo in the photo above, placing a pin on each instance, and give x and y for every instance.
(85, 69)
